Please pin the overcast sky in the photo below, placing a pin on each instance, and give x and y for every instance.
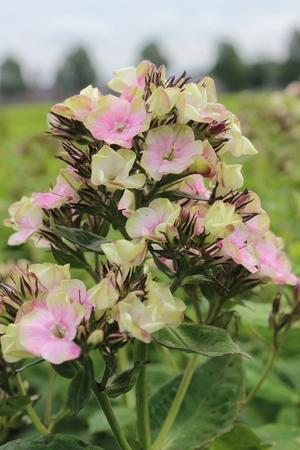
(39, 33)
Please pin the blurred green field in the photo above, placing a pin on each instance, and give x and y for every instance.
(270, 121)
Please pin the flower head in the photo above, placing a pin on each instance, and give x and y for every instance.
(26, 219)
(169, 149)
(152, 222)
(111, 168)
(117, 120)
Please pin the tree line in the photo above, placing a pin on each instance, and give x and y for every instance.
(229, 70)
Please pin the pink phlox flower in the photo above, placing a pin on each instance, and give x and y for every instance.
(220, 221)
(237, 248)
(273, 262)
(141, 319)
(153, 222)
(127, 203)
(79, 106)
(236, 143)
(169, 149)
(49, 275)
(112, 169)
(117, 120)
(49, 332)
(194, 184)
(26, 219)
(59, 195)
(196, 212)
(198, 103)
(128, 77)
(259, 224)
(206, 163)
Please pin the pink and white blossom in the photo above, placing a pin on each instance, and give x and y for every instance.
(220, 221)
(169, 149)
(26, 219)
(112, 168)
(153, 222)
(49, 331)
(117, 120)
(237, 248)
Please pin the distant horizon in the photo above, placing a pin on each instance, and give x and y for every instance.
(39, 35)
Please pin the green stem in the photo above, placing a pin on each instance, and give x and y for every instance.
(59, 416)
(123, 364)
(266, 371)
(175, 285)
(49, 398)
(155, 188)
(141, 393)
(172, 414)
(169, 358)
(29, 409)
(212, 312)
(104, 402)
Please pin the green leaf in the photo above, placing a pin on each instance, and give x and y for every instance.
(162, 266)
(202, 339)
(281, 437)
(67, 258)
(50, 442)
(80, 388)
(82, 238)
(212, 403)
(175, 194)
(274, 389)
(197, 274)
(11, 405)
(125, 381)
(65, 370)
(240, 437)
(118, 221)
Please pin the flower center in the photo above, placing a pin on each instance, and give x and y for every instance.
(58, 330)
(168, 154)
(119, 127)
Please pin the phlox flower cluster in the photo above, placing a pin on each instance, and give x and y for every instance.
(147, 164)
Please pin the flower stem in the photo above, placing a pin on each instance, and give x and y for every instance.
(29, 409)
(172, 414)
(141, 393)
(104, 402)
(49, 398)
(266, 371)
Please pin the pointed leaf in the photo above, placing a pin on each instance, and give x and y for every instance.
(50, 442)
(162, 266)
(125, 381)
(64, 258)
(280, 436)
(82, 238)
(11, 405)
(240, 437)
(212, 403)
(80, 388)
(65, 370)
(202, 339)
(176, 195)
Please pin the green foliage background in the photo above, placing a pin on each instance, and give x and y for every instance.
(272, 122)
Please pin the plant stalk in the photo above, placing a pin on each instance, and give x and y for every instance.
(141, 393)
(29, 409)
(49, 398)
(266, 371)
(104, 402)
(172, 414)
